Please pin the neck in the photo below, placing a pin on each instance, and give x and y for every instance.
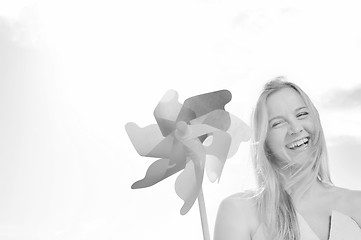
(315, 188)
(301, 179)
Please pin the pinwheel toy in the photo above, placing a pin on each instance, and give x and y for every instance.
(194, 137)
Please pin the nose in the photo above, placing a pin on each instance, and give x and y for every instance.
(294, 128)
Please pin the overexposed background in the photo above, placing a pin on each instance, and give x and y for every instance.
(73, 73)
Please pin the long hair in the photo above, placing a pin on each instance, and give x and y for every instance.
(274, 201)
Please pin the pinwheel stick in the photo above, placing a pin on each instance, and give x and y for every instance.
(203, 213)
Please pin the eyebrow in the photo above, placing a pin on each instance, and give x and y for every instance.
(296, 110)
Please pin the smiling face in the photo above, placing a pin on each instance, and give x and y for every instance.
(290, 124)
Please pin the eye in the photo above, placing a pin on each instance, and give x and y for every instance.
(276, 124)
(302, 115)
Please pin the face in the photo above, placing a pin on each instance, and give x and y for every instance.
(290, 124)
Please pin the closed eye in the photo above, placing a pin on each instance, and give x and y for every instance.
(302, 115)
(275, 124)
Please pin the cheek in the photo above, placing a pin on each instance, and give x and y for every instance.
(276, 140)
(310, 127)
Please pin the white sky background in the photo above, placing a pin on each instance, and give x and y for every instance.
(73, 73)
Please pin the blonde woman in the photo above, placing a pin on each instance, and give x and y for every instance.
(296, 199)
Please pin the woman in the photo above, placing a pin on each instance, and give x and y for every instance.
(295, 197)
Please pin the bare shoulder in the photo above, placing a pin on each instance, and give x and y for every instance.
(236, 217)
(355, 198)
(351, 201)
(355, 205)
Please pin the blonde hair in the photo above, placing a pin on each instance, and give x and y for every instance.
(274, 202)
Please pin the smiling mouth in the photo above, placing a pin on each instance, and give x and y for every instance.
(303, 142)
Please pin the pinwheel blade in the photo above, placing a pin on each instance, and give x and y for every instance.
(197, 130)
(239, 132)
(189, 182)
(144, 139)
(163, 168)
(217, 153)
(178, 155)
(202, 104)
(219, 119)
(213, 166)
(163, 149)
(156, 172)
(188, 185)
(167, 112)
(195, 151)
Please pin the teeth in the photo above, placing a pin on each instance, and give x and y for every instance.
(297, 143)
